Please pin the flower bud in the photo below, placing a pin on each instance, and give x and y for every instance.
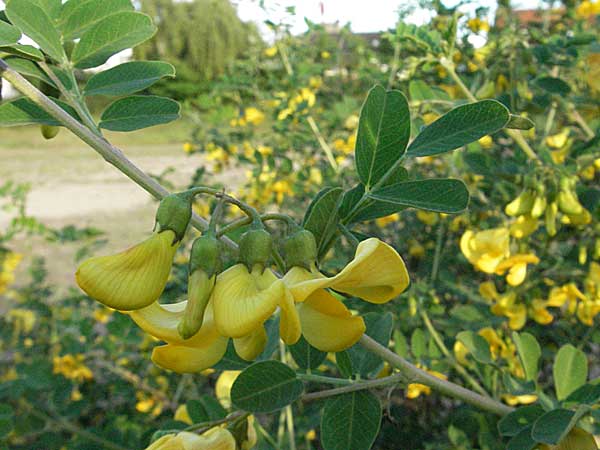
(174, 213)
(300, 250)
(204, 265)
(255, 247)
(49, 131)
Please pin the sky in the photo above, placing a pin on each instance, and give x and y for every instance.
(364, 15)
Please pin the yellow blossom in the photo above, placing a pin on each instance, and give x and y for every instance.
(325, 54)
(486, 249)
(182, 415)
(414, 390)
(8, 263)
(244, 300)
(516, 266)
(558, 140)
(539, 312)
(214, 439)
(587, 9)
(523, 226)
(270, 52)
(514, 400)
(132, 279)
(72, 367)
(23, 319)
(385, 221)
(476, 25)
(377, 274)
(103, 315)
(460, 353)
(188, 147)
(486, 141)
(427, 217)
(223, 387)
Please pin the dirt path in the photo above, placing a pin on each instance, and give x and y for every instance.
(71, 184)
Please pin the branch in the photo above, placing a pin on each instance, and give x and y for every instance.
(416, 375)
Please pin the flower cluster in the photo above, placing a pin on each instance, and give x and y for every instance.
(8, 264)
(236, 303)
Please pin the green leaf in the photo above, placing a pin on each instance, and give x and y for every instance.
(521, 418)
(460, 126)
(344, 363)
(383, 133)
(205, 409)
(420, 91)
(35, 23)
(350, 421)
(519, 123)
(588, 394)
(265, 386)
(477, 345)
(8, 34)
(553, 85)
(440, 195)
(24, 112)
(6, 420)
(24, 51)
(138, 111)
(305, 355)
(51, 7)
(418, 343)
(522, 441)
(111, 35)
(553, 426)
(379, 327)
(517, 386)
(75, 21)
(322, 216)
(570, 371)
(529, 352)
(27, 68)
(128, 78)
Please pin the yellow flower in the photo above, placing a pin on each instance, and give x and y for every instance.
(377, 274)
(517, 267)
(539, 312)
(486, 249)
(223, 387)
(414, 390)
(72, 367)
(385, 221)
(270, 52)
(427, 217)
(132, 279)
(23, 319)
(182, 415)
(214, 439)
(497, 345)
(103, 315)
(8, 263)
(325, 54)
(524, 226)
(514, 400)
(244, 300)
(486, 141)
(201, 351)
(351, 122)
(558, 140)
(516, 313)
(460, 353)
(587, 9)
(188, 147)
(476, 25)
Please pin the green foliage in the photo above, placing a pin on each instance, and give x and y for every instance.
(350, 421)
(128, 78)
(135, 112)
(570, 371)
(266, 386)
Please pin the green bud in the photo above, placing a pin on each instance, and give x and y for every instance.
(174, 213)
(49, 131)
(255, 247)
(300, 249)
(205, 255)
(200, 287)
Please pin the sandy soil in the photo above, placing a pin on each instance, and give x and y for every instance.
(71, 184)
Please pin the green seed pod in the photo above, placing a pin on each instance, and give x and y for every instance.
(49, 131)
(551, 211)
(200, 287)
(521, 205)
(174, 213)
(300, 249)
(255, 247)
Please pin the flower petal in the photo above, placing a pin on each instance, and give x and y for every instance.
(251, 345)
(289, 321)
(377, 274)
(327, 324)
(161, 321)
(182, 359)
(132, 279)
(243, 301)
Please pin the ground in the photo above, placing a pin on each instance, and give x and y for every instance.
(72, 184)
